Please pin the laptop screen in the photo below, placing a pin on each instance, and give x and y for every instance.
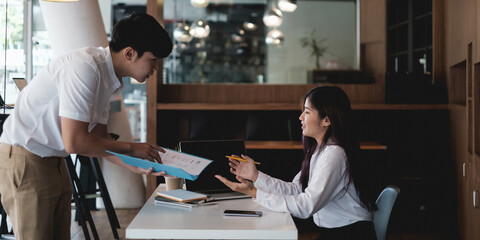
(214, 150)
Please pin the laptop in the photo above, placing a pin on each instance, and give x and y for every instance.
(3, 104)
(20, 82)
(215, 150)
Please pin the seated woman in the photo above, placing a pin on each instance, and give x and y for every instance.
(330, 185)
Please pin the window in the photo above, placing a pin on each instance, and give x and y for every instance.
(27, 50)
(12, 49)
(232, 52)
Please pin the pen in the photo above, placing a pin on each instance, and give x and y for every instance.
(208, 203)
(240, 159)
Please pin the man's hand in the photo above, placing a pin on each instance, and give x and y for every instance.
(146, 151)
(243, 186)
(116, 160)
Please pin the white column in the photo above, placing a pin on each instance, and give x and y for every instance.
(79, 24)
(73, 25)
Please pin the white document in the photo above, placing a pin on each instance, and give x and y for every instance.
(189, 163)
(173, 163)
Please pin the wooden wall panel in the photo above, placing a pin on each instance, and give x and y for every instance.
(154, 8)
(457, 83)
(458, 119)
(251, 93)
(458, 33)
(372, 21)
(461, 55)
(476, 47)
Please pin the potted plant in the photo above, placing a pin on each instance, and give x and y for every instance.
(317, 47)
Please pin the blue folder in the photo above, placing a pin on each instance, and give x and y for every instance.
(157, 167)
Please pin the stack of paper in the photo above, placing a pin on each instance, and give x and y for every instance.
(181, 195)
(166, 201)
(182, 198)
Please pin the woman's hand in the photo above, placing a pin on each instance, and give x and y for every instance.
(243, 186)
(243, 169)
(139, 170)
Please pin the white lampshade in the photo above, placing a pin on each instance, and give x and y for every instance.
(181, 33)
(200, 29)
(274, 37)
(273, 17)
(287, 5)
(60, 1)
(199, 3)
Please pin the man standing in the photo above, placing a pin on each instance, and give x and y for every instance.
(64, 110)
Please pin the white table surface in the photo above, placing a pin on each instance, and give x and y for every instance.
(156, 221)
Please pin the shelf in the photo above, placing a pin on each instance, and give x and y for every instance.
(399, 53)
(273, 145)
(290, 106)
(228, 106)
(424, 15)
(457, 107)
(288, 145)
(399, 24)
(369, 145)
(422, 49)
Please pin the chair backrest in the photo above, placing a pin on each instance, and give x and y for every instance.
(385, 202)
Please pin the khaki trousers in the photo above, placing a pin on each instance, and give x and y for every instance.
(36, 194)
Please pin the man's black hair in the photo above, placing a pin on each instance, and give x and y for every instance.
(143, 33)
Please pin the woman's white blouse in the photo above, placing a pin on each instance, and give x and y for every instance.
(325, 197)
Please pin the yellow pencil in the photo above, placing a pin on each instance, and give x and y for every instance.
(240, 159)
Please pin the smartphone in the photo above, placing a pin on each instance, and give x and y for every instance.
(242, 213)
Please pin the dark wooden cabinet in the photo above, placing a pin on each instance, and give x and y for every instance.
(409, 36)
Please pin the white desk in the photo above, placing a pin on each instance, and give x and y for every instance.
(207, 222)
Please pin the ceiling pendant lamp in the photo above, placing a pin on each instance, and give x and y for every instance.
(65, 1)
(199, 3)
(200, 29)
(287, 5)
(181, 33)
(273, 17)
(274, 37)
(238, 36)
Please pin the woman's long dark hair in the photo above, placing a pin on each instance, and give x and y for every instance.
(332, 102)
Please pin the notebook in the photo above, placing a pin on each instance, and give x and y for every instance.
(20, 82)
(182, 195)
(215, 150)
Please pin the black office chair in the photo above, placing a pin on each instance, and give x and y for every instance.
(83, 212)
(3, 223)
(102, 191)
(84, 190)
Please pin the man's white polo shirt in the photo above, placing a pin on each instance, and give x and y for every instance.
(78, 85)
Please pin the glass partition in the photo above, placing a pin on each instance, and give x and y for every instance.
(12, 60)
(227, 41)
